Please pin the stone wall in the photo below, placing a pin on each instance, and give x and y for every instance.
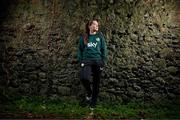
(39, 41)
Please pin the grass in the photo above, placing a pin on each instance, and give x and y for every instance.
(37, 107)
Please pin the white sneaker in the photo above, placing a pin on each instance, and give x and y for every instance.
(92, 109)
(88, 98)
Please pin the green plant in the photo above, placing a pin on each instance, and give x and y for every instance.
(39, 107)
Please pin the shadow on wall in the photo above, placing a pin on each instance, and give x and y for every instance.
(4, 5)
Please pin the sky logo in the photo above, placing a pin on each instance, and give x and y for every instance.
(92, 44)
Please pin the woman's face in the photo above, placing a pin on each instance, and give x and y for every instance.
(94, 27)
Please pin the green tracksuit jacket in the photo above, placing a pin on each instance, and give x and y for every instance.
(95, 49)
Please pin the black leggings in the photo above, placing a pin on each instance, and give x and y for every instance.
(88, 68)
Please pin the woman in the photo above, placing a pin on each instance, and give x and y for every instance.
(92, 57)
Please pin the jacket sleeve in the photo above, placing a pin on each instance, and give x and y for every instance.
(80, 49)
(103, 49)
